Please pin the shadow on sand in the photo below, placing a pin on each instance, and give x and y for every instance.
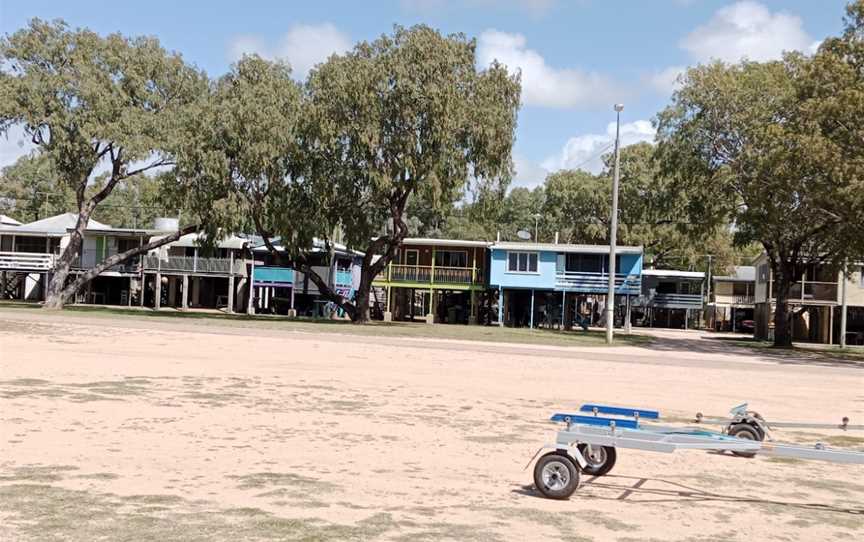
(659, 490)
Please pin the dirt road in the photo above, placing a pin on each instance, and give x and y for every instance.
(133, 429)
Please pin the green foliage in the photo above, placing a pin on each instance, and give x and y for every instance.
(82, 97)
(239, 168)
(775, 148)
(31, 189)
(406, 114)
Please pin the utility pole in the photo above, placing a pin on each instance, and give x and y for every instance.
(708, 296)
(613, 231)
(537, 217)
(843, 308)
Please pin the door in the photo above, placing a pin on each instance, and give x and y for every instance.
(412, 256)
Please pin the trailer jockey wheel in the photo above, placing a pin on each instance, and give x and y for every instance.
(600, 460)
(747, 432)
(556, 476)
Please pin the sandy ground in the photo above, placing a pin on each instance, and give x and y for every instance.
(128, 429)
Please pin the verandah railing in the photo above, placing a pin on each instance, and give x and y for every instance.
(431, 274)
(586, 282)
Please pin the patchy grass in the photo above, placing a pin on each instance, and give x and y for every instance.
(493, 334)
(853, 355)
(45, 512)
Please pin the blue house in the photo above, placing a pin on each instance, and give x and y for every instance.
(546, 284)
(279, 289)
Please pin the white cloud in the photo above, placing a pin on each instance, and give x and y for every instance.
(586, 151)
(665, 81)
(542, 84)
(529, 174)
(749, 30)
(302, 46)
(13, 145)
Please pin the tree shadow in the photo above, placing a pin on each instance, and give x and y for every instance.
(758, 350)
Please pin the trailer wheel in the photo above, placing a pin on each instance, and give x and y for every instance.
(556, 475)
(747, 432)
(600, 461)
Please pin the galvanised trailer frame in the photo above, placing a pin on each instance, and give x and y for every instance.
(587, 445)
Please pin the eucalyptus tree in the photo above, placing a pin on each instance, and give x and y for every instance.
(776, 148)
(406, 114)
(90, 102)
(245, 168)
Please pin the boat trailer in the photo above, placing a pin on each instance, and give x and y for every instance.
(588, 442)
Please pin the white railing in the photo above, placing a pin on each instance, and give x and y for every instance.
(26, 261)
(186, 264)
(576, 281)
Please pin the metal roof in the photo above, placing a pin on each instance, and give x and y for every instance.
(257, 244)
(8, 221)
(742, 273)
(413, 241)
(566, 248)
(673, 273)
(190, 240)
(54, 225)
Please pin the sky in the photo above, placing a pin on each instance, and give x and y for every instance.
(577, 58)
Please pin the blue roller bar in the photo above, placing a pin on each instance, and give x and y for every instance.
(595, 420)
(621, 411)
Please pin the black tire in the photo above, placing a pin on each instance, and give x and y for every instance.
(748, 432)
(556, 476)
(601, 463)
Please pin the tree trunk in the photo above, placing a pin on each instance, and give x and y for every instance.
(361, 300)
(784, 277)
(54, 299)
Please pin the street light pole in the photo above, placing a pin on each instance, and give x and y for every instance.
(613, 231)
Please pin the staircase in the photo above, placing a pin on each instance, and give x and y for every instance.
(12, 285)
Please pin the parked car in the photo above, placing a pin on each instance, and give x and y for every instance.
(747, 325)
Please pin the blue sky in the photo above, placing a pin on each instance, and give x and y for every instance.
(577, 57)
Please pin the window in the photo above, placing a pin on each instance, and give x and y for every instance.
(451, 258)
(591, 263)
(522, 262)
(740, 288)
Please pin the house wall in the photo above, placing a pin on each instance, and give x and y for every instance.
(476, 256)
(544, 278)
(855, 288)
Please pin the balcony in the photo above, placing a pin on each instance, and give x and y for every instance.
(273, 276)
(429, 275)
(597, 283)
(26, 261)
(813, 291)
(185, 264)
(675, 301)
(744, 300)
(90, 258)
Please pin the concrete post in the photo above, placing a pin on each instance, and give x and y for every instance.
(501, 306)
(628, 327)
(157, 301)
(185, 292)
(531, 318)
(129, 296)
(231, 294)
